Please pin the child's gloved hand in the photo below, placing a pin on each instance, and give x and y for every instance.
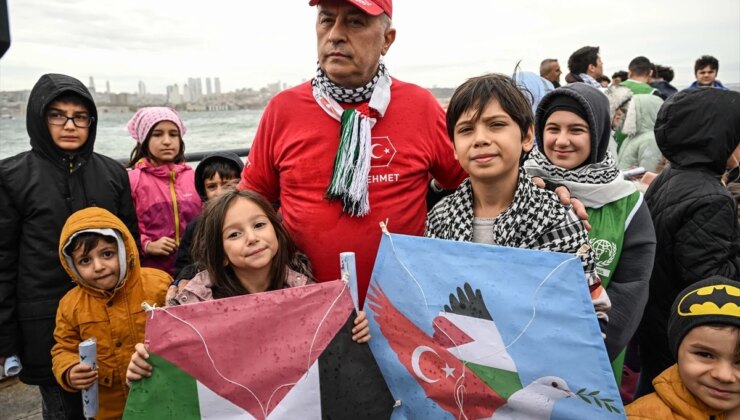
(81, 376)
(361, 330)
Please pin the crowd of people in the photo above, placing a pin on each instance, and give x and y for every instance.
(629, 174)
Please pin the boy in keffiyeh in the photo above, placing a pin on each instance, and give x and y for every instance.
(491, 126)
(572, 129)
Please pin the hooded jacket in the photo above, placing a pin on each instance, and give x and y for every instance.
(166, 200)
(115, 318)
(597, 112)
(39, 189)
(694, 215)
(640, 147)
(671, 400)
(622, 231)
(666, 89)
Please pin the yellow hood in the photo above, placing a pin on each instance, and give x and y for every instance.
(96, 218)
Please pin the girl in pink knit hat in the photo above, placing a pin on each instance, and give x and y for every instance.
(162, 184)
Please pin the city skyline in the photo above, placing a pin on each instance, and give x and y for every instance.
(211, 89)
(252, 44)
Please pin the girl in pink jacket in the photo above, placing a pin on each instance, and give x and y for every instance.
(162, 185)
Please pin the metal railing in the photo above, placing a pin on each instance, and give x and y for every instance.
(198, 156)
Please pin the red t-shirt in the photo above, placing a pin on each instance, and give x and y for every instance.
(292, 158)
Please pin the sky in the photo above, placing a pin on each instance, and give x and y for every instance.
(252, 43)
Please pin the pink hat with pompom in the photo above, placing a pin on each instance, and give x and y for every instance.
(146, 118)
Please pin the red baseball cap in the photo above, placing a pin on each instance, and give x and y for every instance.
(371, 7)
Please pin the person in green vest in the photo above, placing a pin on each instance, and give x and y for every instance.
(572, 129)
(638, 81)
(640, 74)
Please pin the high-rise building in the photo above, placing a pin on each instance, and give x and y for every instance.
(142, 88)
(91, 86)
(209, 92)
(186, 93)
(217, 83)
(107, 87)
(173, 94)
(196, 88)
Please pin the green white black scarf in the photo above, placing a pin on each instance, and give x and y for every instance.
(352, 162)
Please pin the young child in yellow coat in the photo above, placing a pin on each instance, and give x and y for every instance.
(704, 335)
(100, 255)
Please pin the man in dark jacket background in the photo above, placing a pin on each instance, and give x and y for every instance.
(39, 189)
(696, 227)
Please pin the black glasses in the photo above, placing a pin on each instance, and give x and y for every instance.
(79, 121)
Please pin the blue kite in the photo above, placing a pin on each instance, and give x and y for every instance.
(471, 331)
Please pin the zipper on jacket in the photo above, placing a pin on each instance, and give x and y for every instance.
(174, 206)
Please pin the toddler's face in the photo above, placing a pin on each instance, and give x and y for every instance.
(99, 267)
(216, 185)
(710, 367)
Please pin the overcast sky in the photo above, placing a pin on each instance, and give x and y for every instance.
(251, 43)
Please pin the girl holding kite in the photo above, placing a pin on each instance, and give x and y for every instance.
(244, 249)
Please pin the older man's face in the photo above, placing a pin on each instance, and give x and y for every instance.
(350, 42)
(554, 74)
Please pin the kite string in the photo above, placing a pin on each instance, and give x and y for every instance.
(534, 300)
(459, 390)
(421, 289)
(213, 363)
(460, 398)
(316, 333)
(313, 341)
(266, 408)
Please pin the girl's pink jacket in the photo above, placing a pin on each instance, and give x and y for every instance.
(165, 200)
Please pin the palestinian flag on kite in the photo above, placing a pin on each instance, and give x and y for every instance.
(464, 330)
(286, 354)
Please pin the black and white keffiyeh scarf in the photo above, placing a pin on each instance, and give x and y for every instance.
(587, 79)
(352, 162)
(535, 220)
(595, 184)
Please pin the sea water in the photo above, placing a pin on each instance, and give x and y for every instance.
(206, 131)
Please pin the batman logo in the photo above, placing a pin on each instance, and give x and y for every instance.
(719, 299)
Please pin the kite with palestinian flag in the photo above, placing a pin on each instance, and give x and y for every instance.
(285, 354)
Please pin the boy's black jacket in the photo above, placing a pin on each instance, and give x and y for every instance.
(694, 215)
(39, 189)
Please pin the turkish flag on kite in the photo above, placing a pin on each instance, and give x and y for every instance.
(444, 378)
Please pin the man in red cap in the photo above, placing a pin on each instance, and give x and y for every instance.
(353, 146)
